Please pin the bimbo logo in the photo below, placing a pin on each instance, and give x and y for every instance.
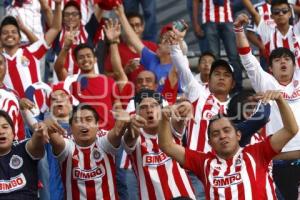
(155, 159)
(87, 175)
(15, 183)
(294, 96)
(227, 181)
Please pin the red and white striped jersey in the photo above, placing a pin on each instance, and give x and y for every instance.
(272, 38)
(10, 104)
(240, 177)
(23, 69)
(89, 172)
(270, 185)
(264, 10)
(216, 13)
(205, 103)
(159, 176)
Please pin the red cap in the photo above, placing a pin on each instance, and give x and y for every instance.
(165, 29)
(59, 86)
(108, 4)
(72, 3)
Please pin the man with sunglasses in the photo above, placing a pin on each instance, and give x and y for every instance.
(280, 34)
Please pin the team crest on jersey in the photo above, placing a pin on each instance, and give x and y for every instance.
(15, 162)
(24, 61)
(15, 183)
(155, 159)
(208, 114)
(97, 154)
(227, 181)
(86, 175)
(238, 162)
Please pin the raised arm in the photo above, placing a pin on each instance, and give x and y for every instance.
(122, 122)
(165, 139)
(98, 12)
(113, 31)
(196, 24)
(132, 37)
(35, 145)
(56, 24)
(47, 12)
(255, 15)
(29, 34)
(260, 80)
(59, 64)
(290, 128)
(57, 142)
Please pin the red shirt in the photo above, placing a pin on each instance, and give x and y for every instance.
(127, 54)
(243, 175)
(99, 92)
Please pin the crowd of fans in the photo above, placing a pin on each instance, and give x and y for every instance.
(95, 103)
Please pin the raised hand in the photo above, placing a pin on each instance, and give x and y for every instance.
(136, 123)
(119, 9)
(26, 104)
(271, 95)
(40, 131)
(69, 38)
(112, 29)
(241, 20)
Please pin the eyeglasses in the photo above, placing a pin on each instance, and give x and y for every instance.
(277, 11)
(73, 14)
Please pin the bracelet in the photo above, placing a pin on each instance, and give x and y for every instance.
(238, 29)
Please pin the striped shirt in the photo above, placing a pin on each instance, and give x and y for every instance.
(216, 12)
(240, 177)
(89, 172)
(158, 175)
(24, 69)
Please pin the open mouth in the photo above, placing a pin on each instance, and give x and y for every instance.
(84, 130)
(2, 139)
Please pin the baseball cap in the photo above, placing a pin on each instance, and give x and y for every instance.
(147, 93)
(221, 63)
(59, 86)
(166, 28)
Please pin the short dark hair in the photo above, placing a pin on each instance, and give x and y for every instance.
(82, 46)
(84, 107)
(147, 93)
(278, 2)
(214, 119)
(280, 52)
(206, 53)
(8, 119)
(10, 20)
(130, 15)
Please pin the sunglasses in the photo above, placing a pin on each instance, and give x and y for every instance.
(277, 11)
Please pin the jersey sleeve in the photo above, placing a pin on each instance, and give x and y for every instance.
(264, 31)
(190, 86)
(194, 161)
(260, 80)
(38, 49)
(67, 150)
(106, 145)
(262, 152)
(24, 144)
(147, 58)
